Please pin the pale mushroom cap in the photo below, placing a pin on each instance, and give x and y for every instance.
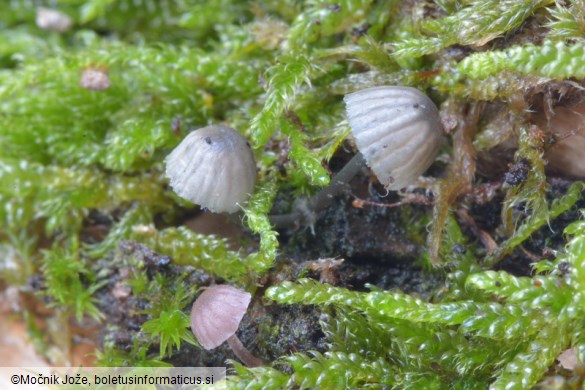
(53, 20)
(95, 80)
(567, 155)
(213, 167)
(397, 129)
(217, 313)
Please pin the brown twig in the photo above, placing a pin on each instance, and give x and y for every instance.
(488, 242)
(410, 198)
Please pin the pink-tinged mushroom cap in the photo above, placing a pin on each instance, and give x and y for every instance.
(95, 79)
(217, 313)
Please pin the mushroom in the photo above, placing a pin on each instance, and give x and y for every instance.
(398, 132)
(397, 129)
(216, 316)
(53, 20)
(213, 167)
(567, 155)
(560, 126)
(95, 79)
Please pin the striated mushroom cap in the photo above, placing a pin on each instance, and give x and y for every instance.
(213, 167)
(397, 129)
(217, 313)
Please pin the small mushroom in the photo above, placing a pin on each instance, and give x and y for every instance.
(567, 127)
(398, 132)
(95, 79)
(53, 20)
(397, 129)
(216, 316)
(213, 167)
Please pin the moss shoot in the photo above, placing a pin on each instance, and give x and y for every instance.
(474, 277)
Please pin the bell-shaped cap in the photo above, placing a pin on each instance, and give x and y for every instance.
(213, 167)
(397, 129)
(217, 313)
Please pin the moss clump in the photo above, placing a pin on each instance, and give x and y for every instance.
(514, 328)
(88, 224)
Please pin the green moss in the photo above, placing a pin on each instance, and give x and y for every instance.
(64, 274)
(511, 341)
(538, 218)
(256, 213)
(169, 323)
(567, 21)
(284, 80)
(478, 23)
(81, 181)
(555, 60)
(188, 248)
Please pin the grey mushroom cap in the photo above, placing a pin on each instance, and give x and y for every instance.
(217, 313)
(397, 129)
(213, 167)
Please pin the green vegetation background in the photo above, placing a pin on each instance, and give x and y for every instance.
(74, 160)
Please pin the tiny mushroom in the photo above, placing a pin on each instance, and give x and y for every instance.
(397, 129)
(213, 167)
(398, 132)
(95, 79)
(566, 156)
(53, 20)
(216, 316)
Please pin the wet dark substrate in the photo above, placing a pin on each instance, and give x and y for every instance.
(378, 246)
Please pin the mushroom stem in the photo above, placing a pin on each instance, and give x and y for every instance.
(324, 197)
(242, 352)
(305, 212)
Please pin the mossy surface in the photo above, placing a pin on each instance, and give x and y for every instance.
(471, 278)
